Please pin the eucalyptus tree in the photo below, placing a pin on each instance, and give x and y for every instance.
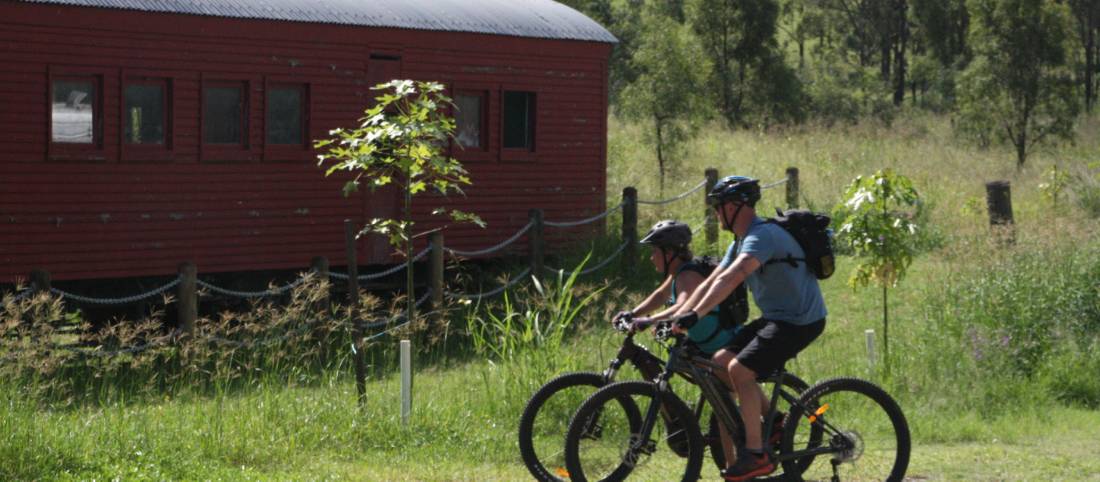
(668, 92)
(1019, 88)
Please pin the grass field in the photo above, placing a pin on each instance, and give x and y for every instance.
(975, 413)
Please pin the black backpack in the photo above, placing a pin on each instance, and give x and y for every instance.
(812, 232)
(732, 311)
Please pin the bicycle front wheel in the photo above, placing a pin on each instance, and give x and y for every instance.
(545, 420)
(849, 429)
(603, 444)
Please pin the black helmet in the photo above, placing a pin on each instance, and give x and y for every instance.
(669, 234)
(737, 189)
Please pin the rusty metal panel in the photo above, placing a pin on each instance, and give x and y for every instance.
(519, 18)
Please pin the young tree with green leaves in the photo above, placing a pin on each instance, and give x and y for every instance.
(668, 92)
(880, 227)
(400, 141)
(1019, 87)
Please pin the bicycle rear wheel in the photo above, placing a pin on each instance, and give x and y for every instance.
(856, 426)
(602, 443)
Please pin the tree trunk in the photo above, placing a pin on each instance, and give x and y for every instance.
(1021, 147)
(1090, 45)
(899, 55)
(660, 156)
(801, 54)
(884, 65)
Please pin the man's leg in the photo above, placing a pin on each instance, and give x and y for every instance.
(723, 358)
(752, 399)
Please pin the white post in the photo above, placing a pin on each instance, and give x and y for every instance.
(406, 381)
(871, 357)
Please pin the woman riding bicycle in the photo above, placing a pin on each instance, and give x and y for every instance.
(671, 255)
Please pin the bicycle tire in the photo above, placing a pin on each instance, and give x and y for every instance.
(848, 422)
(535, 463)
(606, 454)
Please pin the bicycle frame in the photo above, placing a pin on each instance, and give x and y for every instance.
(687, 361)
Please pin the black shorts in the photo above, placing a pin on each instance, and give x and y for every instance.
(765, 345)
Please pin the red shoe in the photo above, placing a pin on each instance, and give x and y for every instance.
(749, 466)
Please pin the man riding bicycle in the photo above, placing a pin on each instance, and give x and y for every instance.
(671, 255)
(789, 298)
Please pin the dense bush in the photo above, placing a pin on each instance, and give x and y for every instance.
(1029, 319)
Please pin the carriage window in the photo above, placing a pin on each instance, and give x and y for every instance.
(75, 110)
(519, 120)
(144, 111)
(470, 119)
(285, 114)
(223, 114)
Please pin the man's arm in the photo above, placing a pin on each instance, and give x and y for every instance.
(720, 284)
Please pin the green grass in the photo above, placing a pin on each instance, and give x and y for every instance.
(972, 418)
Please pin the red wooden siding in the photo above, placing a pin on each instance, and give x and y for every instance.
(83, 219)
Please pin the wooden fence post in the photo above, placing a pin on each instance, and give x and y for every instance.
(40, 281)
(353, 304)
(630, 229)
(435, 281)
(536, 243)
(319, 266)
(792, 188)
(998, 197)
(187, 300)
(711, 218)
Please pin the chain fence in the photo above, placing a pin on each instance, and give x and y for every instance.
(580, 222)
(116, 301)
(595, 268)
(20, 296)
(252, 294)
(774, 184)
(677, 197)
(492, 249)
(522, 275)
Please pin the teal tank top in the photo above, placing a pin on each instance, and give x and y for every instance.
(707, 333)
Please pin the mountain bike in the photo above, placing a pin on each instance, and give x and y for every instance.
(545, 419)
(837, 429)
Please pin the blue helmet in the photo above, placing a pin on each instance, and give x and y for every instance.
(735, 189)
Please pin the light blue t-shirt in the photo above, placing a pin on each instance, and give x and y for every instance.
(783, 292)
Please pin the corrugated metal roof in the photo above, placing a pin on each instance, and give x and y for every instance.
(521, 18)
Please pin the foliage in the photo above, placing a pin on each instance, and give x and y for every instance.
(669, 91)
(1019, 88)
(880, 227)
(60, 360)
(400, 141)
(1054, 184)
(738, 38)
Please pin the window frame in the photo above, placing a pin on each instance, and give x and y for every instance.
(64, 151)
(245, 151)
(289, 152)
(147, 152)
(515, 153)
(485, 152)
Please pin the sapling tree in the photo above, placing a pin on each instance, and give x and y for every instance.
(400, 141)
(881, 229)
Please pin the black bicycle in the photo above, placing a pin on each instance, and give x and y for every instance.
(545, 419)
(841, 428)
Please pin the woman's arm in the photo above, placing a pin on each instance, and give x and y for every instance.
(655, 299)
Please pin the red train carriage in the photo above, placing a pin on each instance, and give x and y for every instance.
(139, 134)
